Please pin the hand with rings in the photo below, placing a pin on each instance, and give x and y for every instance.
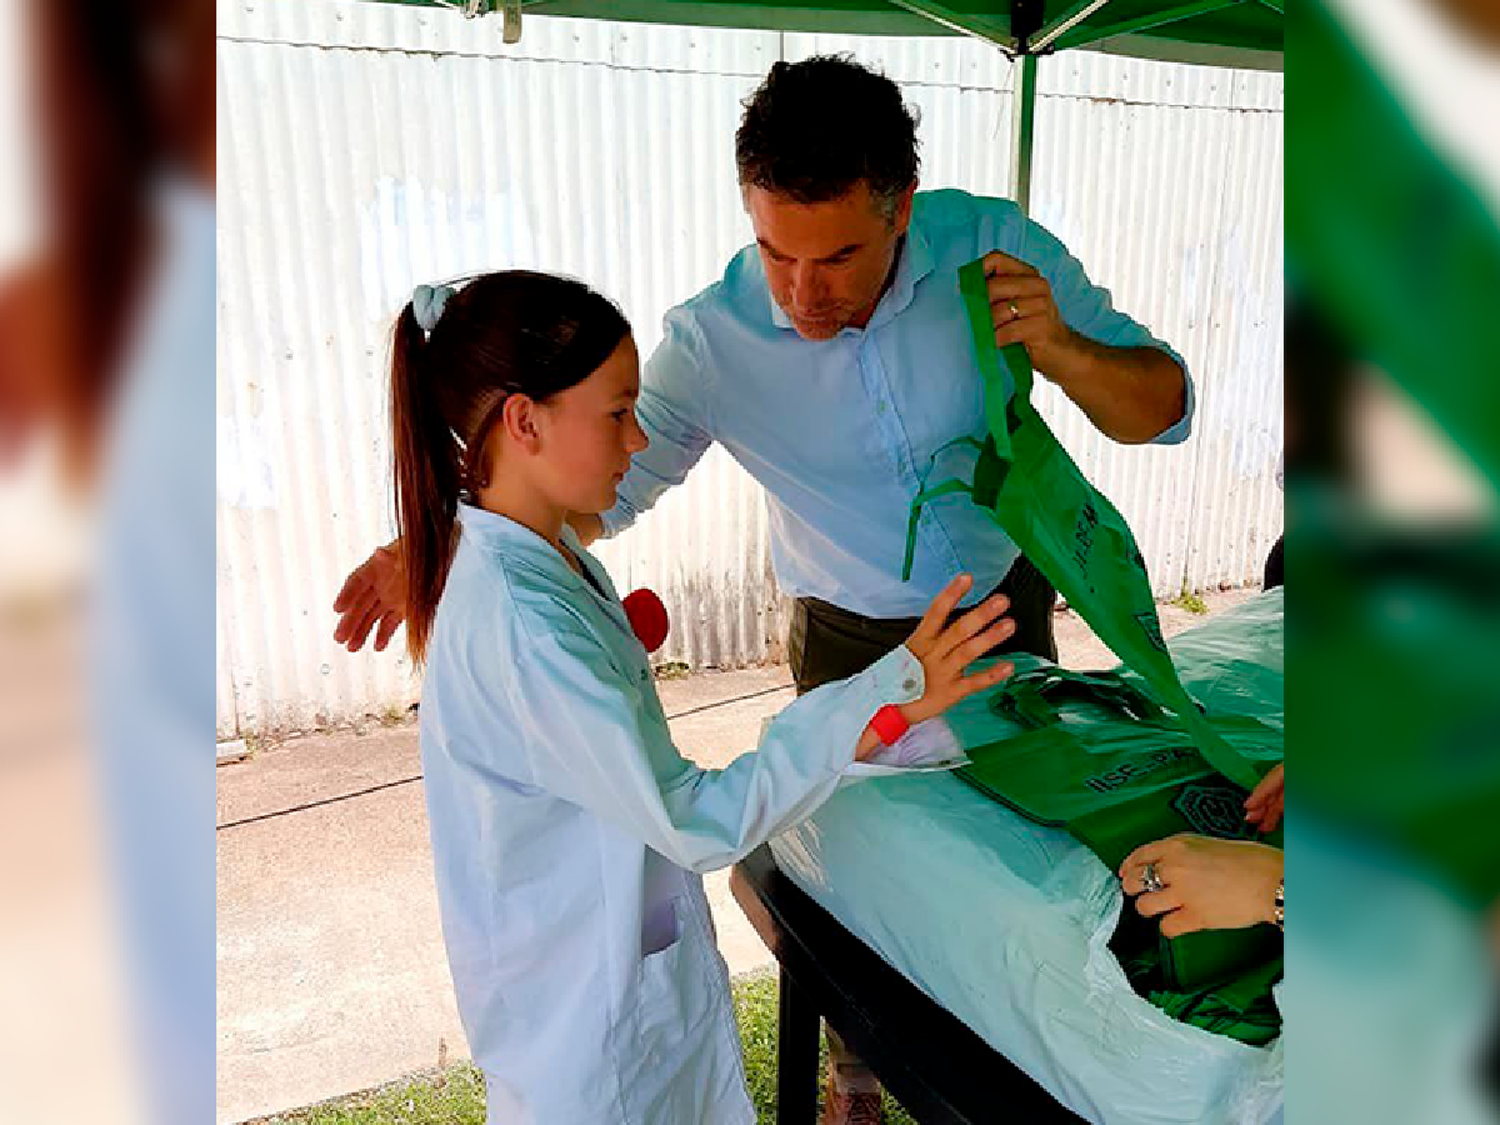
(1198, 883)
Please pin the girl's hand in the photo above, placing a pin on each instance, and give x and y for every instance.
(947, 650)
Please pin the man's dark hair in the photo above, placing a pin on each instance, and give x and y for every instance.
(814, 129)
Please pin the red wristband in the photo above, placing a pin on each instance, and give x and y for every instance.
(890, 724)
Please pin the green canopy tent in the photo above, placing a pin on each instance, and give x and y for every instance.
(1241, 33)
(1233, 33)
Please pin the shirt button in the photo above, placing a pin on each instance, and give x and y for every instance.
(909, 685)
(880, 408)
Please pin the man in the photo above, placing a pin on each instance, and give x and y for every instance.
(833, 360)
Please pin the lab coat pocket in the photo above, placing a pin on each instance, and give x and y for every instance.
(670, 997)
(660, 928)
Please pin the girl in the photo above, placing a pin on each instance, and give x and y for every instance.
(568, 833)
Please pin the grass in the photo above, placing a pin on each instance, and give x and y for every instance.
(1190, 602)
(455, 1096)
(755, 1009)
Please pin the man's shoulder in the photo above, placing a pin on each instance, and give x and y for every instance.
(951, 211)
(735, 309)
(959, 227)
(741, 287)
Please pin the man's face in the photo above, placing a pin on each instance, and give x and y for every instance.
(827, 263)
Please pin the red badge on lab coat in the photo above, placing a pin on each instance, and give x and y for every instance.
(648, 618)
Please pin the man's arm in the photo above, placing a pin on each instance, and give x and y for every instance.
(674, 413)
(1132, 393)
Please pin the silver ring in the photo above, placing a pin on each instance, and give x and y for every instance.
(1151, 880)
(1015, 312)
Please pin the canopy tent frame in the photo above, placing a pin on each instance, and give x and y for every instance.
(1142, 28)
(1020, 29)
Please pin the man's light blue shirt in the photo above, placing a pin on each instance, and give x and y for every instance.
(839, 432)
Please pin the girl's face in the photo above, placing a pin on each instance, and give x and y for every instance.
(588, 434)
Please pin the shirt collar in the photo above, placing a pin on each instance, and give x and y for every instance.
(913, 262)
(778, 314)
(497, 534)
(502, 535)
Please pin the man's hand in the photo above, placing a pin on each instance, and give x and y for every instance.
(1207, 884)
(1131, 394)
(373, 594)
(1023, 310)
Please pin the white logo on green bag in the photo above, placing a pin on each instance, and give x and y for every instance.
(1111, 780)
(1213, 810)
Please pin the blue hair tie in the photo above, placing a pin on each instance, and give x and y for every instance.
(427, 304)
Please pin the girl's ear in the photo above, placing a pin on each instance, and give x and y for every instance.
(519, 419)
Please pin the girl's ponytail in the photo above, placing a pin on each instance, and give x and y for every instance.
(427, 477)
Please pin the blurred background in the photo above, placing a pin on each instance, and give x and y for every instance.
(106, 561)
(1393, 464)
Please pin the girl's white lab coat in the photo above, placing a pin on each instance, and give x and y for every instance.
(569, 835)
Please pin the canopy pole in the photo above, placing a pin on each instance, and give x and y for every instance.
(1023, 131)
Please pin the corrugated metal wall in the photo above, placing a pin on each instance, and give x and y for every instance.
(364, 147)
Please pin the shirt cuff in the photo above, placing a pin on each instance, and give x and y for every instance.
(1179, 430)
(928, 747)
(897, 677)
